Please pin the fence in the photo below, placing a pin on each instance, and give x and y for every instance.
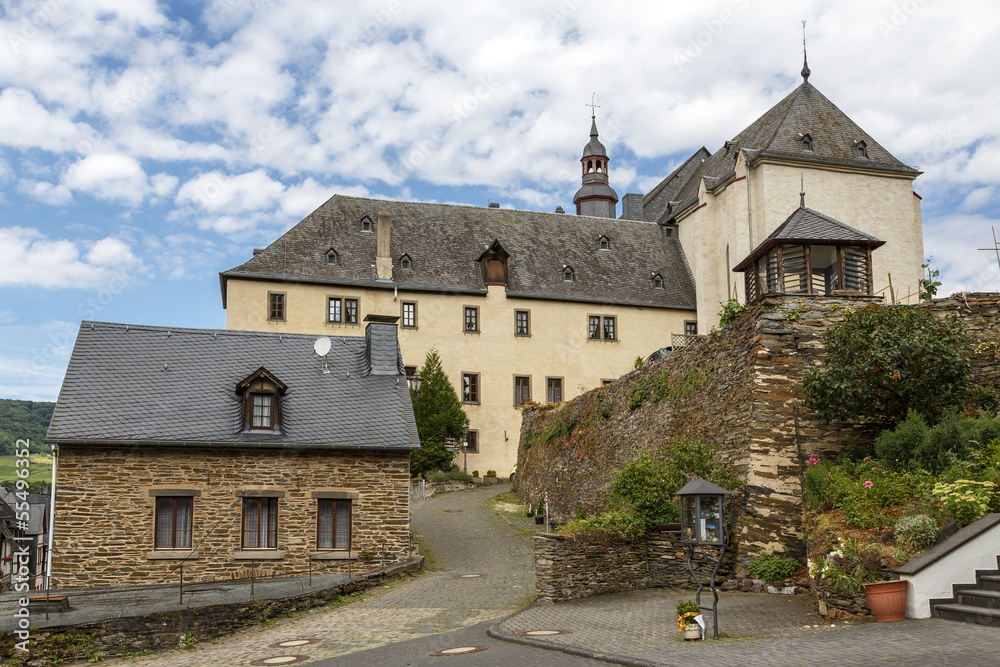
(418, 491)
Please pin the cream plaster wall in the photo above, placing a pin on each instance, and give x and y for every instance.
(881, 205)
(557, 347)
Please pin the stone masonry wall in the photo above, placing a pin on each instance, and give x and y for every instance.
(981, 312)
(104, 522)
(566, 569)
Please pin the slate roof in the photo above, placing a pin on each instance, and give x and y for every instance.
(38, 508)
(594, 147)
(169, 386)
(444, 242)
(777, 134)
(808, 226)
(655, 204)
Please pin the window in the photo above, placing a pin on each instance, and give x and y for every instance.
(553, 390)
(173, 523)
(260, 523)
(472, 442)
(522, 389)
(333, 524)
(342, 311)
(405, 262)
(471, 319)
(690, 328)
(862, 149)
(807, 142)
(602, 327)
(276, 306)
(336, 312)
(366, 224)
(409, 315)
(470, 387)
(568, 274)
(331, 256)
(594, 327)
(668, 231)
(603, 243)
(605, 382)
(410, 371)
(609, 328)
(521, 323)
(262, 411)
(657, 281)
(350, 311)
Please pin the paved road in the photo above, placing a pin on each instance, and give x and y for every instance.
(467, 538)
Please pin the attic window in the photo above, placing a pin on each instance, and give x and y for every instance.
(603, 243)
(568, 274)
(657, 281)
(261, 391)
(405, 262)
(862, 149)
(366, 224)
(807, 142)
(331, 256)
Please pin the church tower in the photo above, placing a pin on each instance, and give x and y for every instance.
(595, 197)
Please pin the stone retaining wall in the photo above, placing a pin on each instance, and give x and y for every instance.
(566, 569)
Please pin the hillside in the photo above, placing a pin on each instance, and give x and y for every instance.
(23, 420)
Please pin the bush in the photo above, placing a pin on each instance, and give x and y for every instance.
(916, 531)
(966, 500)
(452, 475)
(491, 473)
(616, 525)
(896, 446)
(862, 490)
(475, 473)
(814, 485)
(772, 567)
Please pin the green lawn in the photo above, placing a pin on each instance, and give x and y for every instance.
(40, 468)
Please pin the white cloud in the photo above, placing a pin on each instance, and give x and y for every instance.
(217, 192)
(29, 259)
(24, 123)
(164, 184)
(109, 176)
(53, 194)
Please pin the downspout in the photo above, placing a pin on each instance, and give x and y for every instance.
(746, 164)
(52, 519)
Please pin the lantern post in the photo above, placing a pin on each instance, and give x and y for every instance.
(703, 524)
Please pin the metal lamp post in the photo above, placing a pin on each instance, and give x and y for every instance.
(703, 523)
(415, 381)
(465, 446)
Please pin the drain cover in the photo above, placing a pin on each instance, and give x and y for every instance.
(541, 633)
(452, 511)
(281, 660)
(467, 576)
(294, 643)
(458, 650)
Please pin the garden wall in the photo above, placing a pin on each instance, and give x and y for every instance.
(566, 569)
(738, 388)
(981, 312)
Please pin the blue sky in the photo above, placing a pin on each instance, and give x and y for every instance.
(145, 146)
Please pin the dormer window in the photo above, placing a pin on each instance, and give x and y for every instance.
(405, 262)
(657, 281)
(494, 263)
(366, 224)
(807, 142)
(861, 149)
(603, 243)
(261, 392)
(331, 256)
(568, 274)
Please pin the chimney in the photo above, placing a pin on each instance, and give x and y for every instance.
(632, 207)
(382, 355)
(559, 209)
(494, 204)
(383, 257)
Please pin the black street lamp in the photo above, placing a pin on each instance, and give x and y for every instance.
(465, 446)
(703, 523)
(415, 381)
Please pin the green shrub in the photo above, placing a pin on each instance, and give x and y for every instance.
(946, 444)
(966, 500)
(491, 473)
(864, 490)
(452, 475)
(773, 567)
(917, 531)
(896, 446)
(475, 473)
(730, 309)
(814, 485)
(616, 525)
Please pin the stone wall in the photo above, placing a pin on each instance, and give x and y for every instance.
(104, 519)
(566, 568)
(981, 312)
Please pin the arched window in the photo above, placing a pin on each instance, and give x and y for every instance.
(366, 224)
(568, 274)
(862, 149)
(807, 142)
(331, 256)
(405, 262)
(603, 243)
(657, 280)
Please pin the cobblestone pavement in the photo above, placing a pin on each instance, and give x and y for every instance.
(640, 628)
(466, 537)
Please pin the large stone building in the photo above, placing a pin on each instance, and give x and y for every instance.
(543, 306)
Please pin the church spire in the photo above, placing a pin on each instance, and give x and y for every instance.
(805, 59)
(595, 197)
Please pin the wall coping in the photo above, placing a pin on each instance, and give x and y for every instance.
(959, 539)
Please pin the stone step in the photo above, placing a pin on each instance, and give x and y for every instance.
(989, 582)
(977, 597)
(968, 614)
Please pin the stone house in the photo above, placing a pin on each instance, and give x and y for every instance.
(24, 521)
(226, 450)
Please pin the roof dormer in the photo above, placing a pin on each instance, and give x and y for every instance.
(260, 392)
(603, 242)
(494, 262)
(366, 224)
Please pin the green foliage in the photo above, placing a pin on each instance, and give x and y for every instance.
(883, 361)
(851, 567)
(730, 309)
(491, 473)
(773, 567)
(455, 475)
(897, 446)
(862, 490)
(915, 445)
(613, 526)
(966, 500)
(24, 420)
(475, 473)
(638, 362)
(916, 531)
(666, 386)
(929, 285)
(438, 414)
(687, 610)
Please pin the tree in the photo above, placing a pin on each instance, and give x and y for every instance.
(885, 360)
(439, 415)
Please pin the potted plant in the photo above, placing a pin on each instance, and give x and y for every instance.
(887, 600)
(540, 514)
(687, 611)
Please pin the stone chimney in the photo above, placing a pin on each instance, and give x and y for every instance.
(632, 207)
(383, 257)
(382, 355)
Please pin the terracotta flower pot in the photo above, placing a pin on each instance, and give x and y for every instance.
(887, 600)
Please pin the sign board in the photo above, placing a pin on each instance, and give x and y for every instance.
(449, 443)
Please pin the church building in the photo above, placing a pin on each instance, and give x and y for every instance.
(525, 306)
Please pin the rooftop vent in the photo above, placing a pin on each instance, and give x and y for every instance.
(257, 251)
(559, 209)
(494, 204)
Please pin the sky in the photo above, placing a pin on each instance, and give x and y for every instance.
(146, 146)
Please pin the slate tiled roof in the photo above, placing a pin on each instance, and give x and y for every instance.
(168, 386)
(38, 508)
(655, 203)
(444, 242)
(777, 134)
(808, 226)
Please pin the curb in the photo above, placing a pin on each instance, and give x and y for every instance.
(494, 632)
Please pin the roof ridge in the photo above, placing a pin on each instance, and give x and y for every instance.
(152, 328)
(662, 184)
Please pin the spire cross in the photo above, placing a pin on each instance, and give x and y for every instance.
(592, 105)
(805, 60)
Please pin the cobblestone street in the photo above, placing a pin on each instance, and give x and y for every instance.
(465, 536)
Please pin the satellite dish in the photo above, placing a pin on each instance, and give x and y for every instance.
(322, 346)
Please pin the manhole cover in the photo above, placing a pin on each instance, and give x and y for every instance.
(467, 576)
(459, 650)
(541, 633)
(452, 511)
(293, 643)
(281, 660)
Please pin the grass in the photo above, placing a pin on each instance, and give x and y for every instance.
(40, 468)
